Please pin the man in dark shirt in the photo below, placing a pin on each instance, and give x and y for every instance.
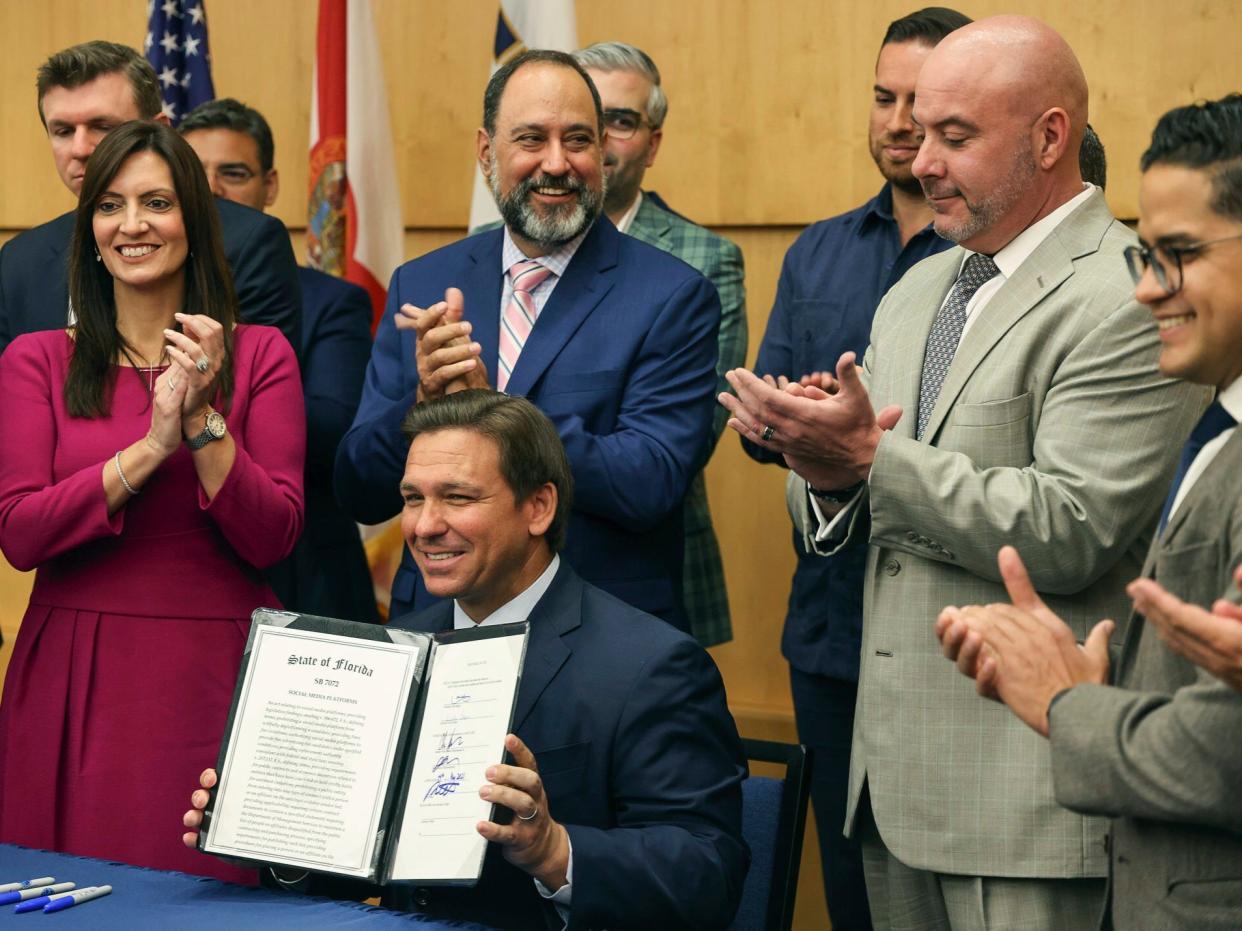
(832, 280)
(85, 92)
(327, 572)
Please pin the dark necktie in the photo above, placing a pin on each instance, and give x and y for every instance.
(1215, 421)
(946, 332)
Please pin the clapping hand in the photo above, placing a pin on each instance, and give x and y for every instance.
(197, 355)
(446, 358)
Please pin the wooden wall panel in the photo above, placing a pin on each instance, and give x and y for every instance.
(769, 97)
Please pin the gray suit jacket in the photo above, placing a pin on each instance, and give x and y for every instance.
(1053, 432)
(1162, 752)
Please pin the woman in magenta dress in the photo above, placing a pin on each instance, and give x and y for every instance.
(150, 466)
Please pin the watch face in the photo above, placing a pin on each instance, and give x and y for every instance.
(215, 424)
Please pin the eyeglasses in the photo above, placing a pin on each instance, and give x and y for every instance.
(1165, 262)
(236, 174)
(623, 123)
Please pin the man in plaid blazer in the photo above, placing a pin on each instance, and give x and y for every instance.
(1041, 421)
(634, 110)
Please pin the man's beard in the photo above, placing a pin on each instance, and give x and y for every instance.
(560, 223)
(985, 213)
(899, 176)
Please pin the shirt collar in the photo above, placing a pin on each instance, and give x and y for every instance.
(557, 260)
(1020, 248)
(881, 206)
(515, 610)
(1231, 399)
(624, 224)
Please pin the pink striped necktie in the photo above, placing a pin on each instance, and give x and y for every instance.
(519, 317)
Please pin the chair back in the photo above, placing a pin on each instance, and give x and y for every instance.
(773, 823)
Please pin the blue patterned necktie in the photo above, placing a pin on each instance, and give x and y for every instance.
(1215, 421)
(946, 332)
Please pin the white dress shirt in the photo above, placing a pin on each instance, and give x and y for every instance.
(627, 219)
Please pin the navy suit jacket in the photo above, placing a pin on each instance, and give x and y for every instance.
(640, 761)
(327, 573)
(622, 360)
(34, 274)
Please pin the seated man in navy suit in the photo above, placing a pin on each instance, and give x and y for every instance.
(85, 92)
(327, 572)
(626, 766)
(613, 339)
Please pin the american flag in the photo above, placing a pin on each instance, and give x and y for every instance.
(176, 46)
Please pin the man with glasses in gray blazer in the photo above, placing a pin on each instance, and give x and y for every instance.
(1159, 751)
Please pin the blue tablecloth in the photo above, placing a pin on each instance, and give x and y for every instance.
(153, 899)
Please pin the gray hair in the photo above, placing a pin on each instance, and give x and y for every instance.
(620, 56)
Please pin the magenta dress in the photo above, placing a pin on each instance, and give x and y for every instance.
(124, 665)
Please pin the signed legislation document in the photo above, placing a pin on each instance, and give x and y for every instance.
(359, 750)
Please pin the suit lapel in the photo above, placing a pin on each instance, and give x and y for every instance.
(558, 612)
(651, 225)
(577, 294)
(1209, 489)
(1050, 264)
(482, 289)
(909, 342)
(433, 620)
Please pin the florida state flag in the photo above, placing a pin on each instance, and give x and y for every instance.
(354, 226)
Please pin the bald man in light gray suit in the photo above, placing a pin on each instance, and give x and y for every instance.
(1009, 393)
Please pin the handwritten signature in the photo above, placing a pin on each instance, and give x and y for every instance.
(444, 762)
(459, 700)
(445, 784)
(449, 740)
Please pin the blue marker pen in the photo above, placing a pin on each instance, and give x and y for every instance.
(31, 905)
(41, 881)
(8, 898)
(76, 898)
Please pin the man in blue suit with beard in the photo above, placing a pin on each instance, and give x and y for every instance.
(611, 338)
(625, 771)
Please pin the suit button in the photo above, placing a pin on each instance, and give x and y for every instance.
(892, 567)
(422, 897)
(911, 536)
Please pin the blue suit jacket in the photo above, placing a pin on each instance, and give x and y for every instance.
(327, 571)
(34, 284)
(640, 761)
(622, 360)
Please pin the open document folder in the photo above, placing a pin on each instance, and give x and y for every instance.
(359, 750)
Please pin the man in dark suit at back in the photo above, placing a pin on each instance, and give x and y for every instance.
(613, 339)
(625, 775)
(327, 572)
(84, 92)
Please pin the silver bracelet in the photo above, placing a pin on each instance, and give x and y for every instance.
(121, 475)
